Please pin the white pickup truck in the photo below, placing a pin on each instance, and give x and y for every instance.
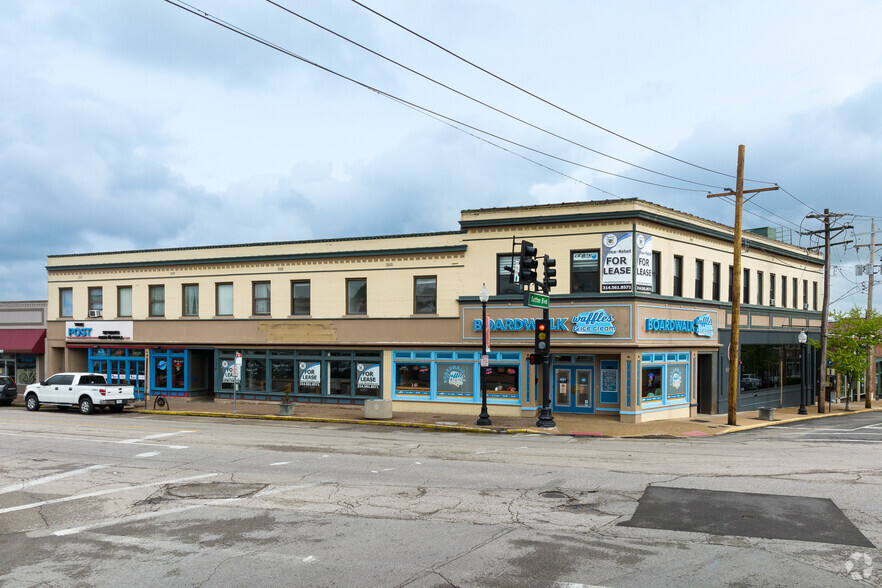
(83, 390)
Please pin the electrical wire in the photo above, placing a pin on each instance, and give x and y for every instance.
(491, 107)
(547, 102)
(240, 31)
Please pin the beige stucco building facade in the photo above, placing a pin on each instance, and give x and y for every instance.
(641, 315)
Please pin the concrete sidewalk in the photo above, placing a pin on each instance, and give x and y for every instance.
(598, 425)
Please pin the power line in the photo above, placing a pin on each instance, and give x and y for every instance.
(491, 107)
(543, 100)
(240, 31)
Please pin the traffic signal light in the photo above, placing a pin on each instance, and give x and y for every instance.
(535, 359)
(543, 336)
(528, 265)
(549, 280)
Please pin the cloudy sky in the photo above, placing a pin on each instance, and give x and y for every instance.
(131, 125)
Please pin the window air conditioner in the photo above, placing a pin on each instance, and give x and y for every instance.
(94, 314)
(771, 302)
(805, 306)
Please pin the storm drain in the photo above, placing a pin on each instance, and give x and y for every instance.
(766, 516)
(214, 490)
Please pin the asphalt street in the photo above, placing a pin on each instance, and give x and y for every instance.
(152, 500)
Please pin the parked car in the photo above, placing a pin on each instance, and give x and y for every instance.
(749, 382)
(84, 390)
(8, 391)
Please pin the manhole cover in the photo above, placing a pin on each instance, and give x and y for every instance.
(214, 490)
(553, 494)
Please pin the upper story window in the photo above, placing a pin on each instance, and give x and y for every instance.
(157, 300)
(715, 285)
(356, 296)
(585, 271)
(772, 282)
(699, 278)
(805, 294)
(814, 295)
(65, 302)
(746, 286)
(795, 292)
(261, 298)
(784, 291)
(96, 302)
(759, 288)
(731, 281)
(224, 299)
(300, 297)
(507, 281)
(190, 295)
(678, 275)
(124, 301)
(656, 272)
(425, 295)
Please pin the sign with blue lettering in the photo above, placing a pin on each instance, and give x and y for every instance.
(597, 322)
(702, 326)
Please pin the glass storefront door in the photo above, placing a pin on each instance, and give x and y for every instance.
(573, 388)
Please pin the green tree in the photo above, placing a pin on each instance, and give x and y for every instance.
(850, 336)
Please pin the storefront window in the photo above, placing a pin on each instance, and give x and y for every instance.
(585, 271)
(254, 374)
(309, 377)
(178, 380)
(455, 380)
(282, 371)
(763, 367)
(65, 302)
(413, 377)
(651, 382)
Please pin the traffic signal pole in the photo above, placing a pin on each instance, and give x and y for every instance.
(546, 419)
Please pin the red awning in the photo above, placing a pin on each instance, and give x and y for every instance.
(23, 340)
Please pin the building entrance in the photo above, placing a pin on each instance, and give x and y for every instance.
(573, 388)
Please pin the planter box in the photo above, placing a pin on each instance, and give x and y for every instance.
(378, 409)
(286, 409)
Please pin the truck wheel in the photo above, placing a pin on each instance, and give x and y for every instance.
(86, 406)
(32, 403)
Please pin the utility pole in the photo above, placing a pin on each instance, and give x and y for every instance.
(870, 387)
(736, 283)
(825, 312)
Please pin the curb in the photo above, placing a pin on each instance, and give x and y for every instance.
(272, 417)
(811, 417)
(465, 429)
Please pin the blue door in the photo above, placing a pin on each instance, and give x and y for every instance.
(573, 388)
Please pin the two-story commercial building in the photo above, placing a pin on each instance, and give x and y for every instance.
(641, 315)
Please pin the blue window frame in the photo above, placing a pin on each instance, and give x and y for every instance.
(120, 366)
(664, 379)
(455, 376)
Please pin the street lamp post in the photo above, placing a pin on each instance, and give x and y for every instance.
(484, 296)
(802, 338)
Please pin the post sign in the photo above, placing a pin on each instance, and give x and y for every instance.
(537, 300)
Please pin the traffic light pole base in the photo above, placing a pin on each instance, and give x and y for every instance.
(546, 421)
